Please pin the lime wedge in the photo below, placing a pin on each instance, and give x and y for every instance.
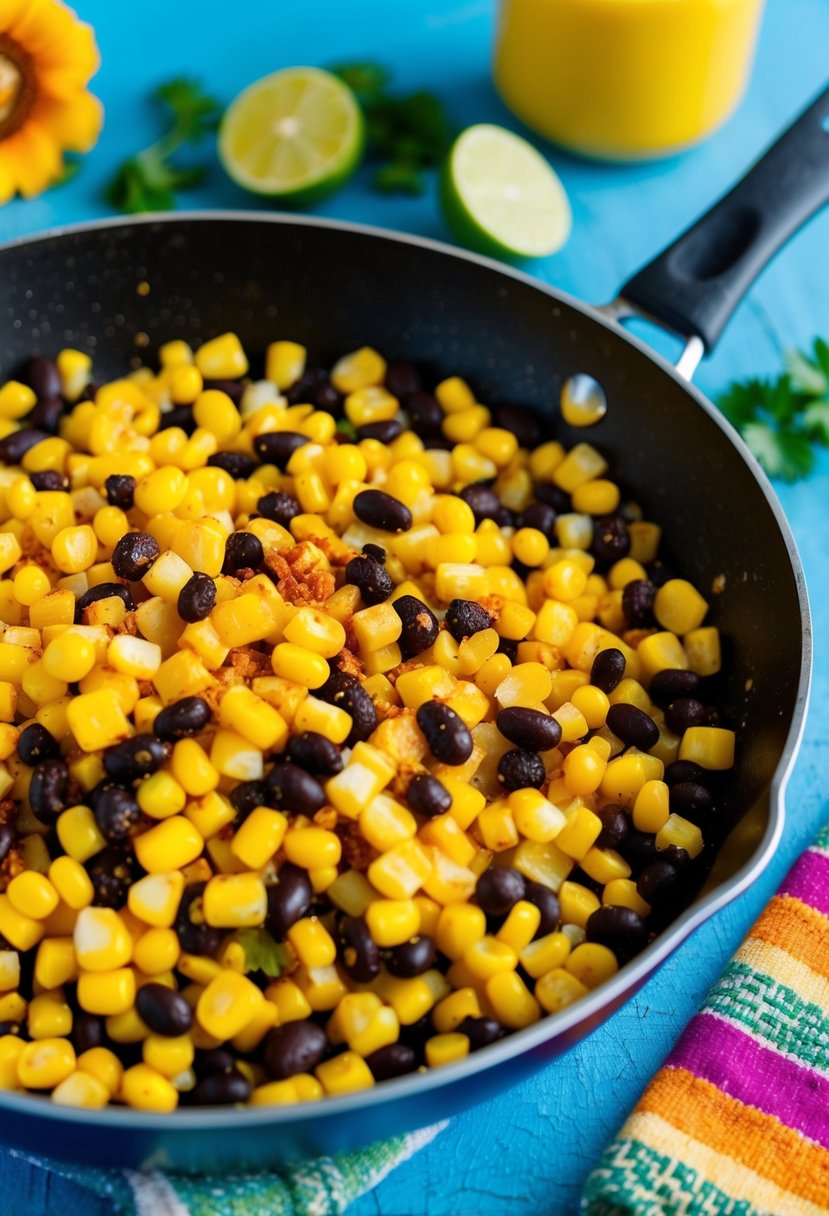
(296, 135)
(501, 197)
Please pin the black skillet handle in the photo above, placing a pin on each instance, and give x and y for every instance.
(695, 284)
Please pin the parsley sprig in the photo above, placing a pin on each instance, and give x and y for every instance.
(262, 953)
(408, 133)
(149, 180)
(784, 418)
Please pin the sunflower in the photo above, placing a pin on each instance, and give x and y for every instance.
(46, 59)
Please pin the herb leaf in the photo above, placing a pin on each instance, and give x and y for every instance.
(783, 418)
(148, 181)
(262, 953)
(407, 133)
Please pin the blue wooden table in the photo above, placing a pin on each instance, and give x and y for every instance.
(528, 1153)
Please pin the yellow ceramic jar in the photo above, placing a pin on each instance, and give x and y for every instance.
(625, 79)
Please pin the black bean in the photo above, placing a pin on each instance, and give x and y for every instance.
(279, 506)
(234, 388)
(677, 856)
(51, 479)
(428, 796)
(134, 554)
(685, 770)
(611, 538)
(163, 1009)
(179, 417)
(446, 732)
(7, 835)
(347, 692)
(523, 423)
(401, 378)
(181, 719)
(657, 882)
(691, 801)
(358, 951)
(47, 414)
(637, 603)
(615, 827)
(541, 515)
(547, 903)
(222, 1089)
(480, 1031)
(411, 958)
(316, 753)
(197, 597)
(87, 1032)
(120, 490)
(247, 796)
(36, 743)
(380, 510)
(683, 713)
(288, 899)
(375, 551)
(116, 813)
(465, 618)
(608, 669)
(206, 1063)
(243, 551)
(292, 788)
(519, 770)
(393, 1060)
(485, 504)
(383, 432)
(195, 936)
(303, 390)
(50, 790)
(633, 726)
(15, 446)
(135, 758)
(112, 872)
(425, 415)
(237, 464)
(277, 447)
(620, 929)
(42, 376)
(638, 849)
(529, 728)
(420, 625)
(102, 591)
(499, 889)
(554, 496)
(293, 1048)
(373, 581)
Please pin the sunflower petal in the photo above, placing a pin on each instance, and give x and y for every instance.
(34, 157)
(8, 177)
(10, 13)
(74, 123)
(75, 50)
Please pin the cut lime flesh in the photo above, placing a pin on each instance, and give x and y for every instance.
(295, 135)
(501, 197)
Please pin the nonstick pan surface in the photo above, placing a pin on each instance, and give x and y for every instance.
(120, 289)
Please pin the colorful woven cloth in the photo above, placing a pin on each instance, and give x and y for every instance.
(736, 1123)
(323, 1187)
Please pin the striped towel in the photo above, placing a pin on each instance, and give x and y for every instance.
(736, 1123)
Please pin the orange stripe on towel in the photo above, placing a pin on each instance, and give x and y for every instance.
(796, 928)
(760, 1142)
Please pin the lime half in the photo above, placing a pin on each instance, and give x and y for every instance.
(501, 197)
(295, 135)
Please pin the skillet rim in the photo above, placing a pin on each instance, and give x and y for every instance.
(621, 986)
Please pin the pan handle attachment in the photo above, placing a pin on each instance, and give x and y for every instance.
(694, 285)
